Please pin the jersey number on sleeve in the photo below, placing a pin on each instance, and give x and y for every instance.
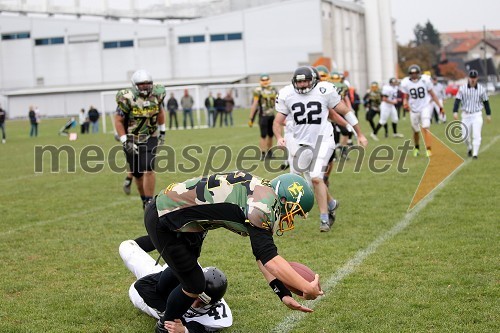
(313, 110)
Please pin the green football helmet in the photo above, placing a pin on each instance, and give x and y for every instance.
(323, 73)
(296, 197)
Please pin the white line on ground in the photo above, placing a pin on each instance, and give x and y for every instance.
(290, 321)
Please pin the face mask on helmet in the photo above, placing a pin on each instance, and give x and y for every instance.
(296, 197)
(216, 285)
(336, 77)
(305, 79)
(142, 82)
(374, 86)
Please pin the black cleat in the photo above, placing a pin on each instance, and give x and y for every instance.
(474, 157)
(126, 185)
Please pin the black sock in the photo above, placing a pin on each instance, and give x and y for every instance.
(177, 304)
(395, 128)
(145, 243)
(417, 147)
(386, 130)
(377, 128)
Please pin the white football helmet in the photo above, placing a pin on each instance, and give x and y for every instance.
(145, 80)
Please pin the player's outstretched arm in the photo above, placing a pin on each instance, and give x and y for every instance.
(279, 120)
(350, 117)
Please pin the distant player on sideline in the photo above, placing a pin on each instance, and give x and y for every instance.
(206, 314)
(139, 116)
(440, 94)
(473, 96)
(418, 94)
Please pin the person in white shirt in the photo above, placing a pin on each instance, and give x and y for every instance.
(439, 90)
(388, 108)
(209, 313)
(473, 96)
(418, 94)
(310, 103)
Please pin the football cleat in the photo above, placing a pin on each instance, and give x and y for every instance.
(332, 213)
(324, 226)
(416, 152)
(126, 185)
(428, 153)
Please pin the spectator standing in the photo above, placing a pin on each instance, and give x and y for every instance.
(84, 122)
(210, 105)
(172, 107)
(229, 100)
(34, 119)
(94, 119)
(187, 108)
(220, 107)
(3, 115)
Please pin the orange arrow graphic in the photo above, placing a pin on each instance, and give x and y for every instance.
(442, 164)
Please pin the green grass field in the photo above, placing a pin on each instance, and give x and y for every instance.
(438, 271)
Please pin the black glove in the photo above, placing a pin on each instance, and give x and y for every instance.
(130, 147)
(161, 138)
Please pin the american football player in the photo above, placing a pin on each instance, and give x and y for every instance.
(140, 126)
(418, 94)
(372, 101)
(180, 216)
(310, 103)
(208, 313)
(388, 108)
(264, 98)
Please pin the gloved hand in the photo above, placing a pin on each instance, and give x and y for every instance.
(250, 123)
(130, 147)
(161, 138)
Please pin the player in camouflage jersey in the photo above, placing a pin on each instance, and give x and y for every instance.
(139, 116)
(264, 98)
(179, 218)
(372, 101)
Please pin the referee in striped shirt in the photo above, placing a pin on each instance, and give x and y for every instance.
(472, 96)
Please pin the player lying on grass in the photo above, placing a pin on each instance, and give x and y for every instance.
(208, 313)
(178, 219)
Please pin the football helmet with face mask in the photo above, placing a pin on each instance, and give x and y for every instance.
(307, 74)
(142, 82)
(295, 196)
(216, 285)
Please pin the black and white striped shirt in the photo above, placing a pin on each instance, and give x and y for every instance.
(472, 98)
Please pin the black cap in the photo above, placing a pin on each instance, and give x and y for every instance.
(473, 73)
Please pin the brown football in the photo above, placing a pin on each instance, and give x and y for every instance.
(304, 271)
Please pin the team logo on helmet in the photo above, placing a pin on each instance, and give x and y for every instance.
(296, 189)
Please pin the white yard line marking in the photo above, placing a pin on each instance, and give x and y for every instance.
(350, 266)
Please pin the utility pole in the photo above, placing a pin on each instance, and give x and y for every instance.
(485, 60)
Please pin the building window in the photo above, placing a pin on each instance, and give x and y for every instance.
(118, 44)
(191, 39)
(16, 35)
(198, 39)
(224, 37)
(235, 36)
(49, 41)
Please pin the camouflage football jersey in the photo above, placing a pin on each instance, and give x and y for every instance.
(342, 89)
(253, 196)
(141, 113)
(267, 99)
(374, 98)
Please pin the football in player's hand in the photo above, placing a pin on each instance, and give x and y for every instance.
(304, 271)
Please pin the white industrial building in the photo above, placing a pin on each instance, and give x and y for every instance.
(62, 58)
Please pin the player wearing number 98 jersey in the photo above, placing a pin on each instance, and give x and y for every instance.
(418, 94)
(310, 103)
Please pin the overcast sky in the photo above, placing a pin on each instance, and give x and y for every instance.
(445, 15)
